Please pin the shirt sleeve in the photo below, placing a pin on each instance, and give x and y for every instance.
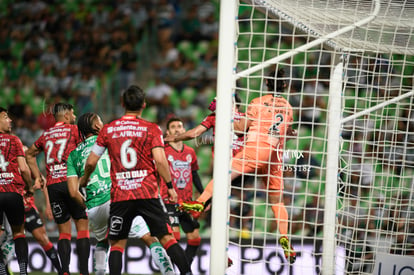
(209, 121)
(71, 166)
(18, 148)
(40, 142)
(157, 139)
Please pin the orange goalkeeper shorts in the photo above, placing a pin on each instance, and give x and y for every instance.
(263, 161)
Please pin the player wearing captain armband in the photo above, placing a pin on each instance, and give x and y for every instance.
(268, 125)
(136, 151)
(98, 194)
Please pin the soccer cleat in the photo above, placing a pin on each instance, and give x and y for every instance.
(290, 253)
(194, 208)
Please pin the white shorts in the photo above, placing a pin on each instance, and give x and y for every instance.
(98, 222)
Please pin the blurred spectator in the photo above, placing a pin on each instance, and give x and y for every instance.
(156, 95)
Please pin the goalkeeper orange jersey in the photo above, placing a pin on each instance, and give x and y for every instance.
(270, 118)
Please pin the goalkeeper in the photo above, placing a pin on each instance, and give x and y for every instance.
(268, 121)
(98, 198)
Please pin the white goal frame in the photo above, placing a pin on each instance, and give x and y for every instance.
(227, 77)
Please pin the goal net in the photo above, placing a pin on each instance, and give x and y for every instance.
(348, 173)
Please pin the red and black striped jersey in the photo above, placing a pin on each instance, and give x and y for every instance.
(57, 142)
(10, 178)
(130, 141)
(182, 163)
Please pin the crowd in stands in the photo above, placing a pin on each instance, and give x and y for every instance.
(86, 52)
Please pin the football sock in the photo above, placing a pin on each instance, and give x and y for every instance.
(191, 249)
(64, 249)
(161, 259)
(83, 248)
(22, 253)
(100, 257)
(53, 256)
(281, 215)
(115, 260)
(177, 256)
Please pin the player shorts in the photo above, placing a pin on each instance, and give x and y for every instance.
(98, 223)
(177, 218)
(256, 160)
(32, 220)
(63, 206)
(12, 205)
(123, 213)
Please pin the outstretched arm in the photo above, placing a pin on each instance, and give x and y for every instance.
(190, 134)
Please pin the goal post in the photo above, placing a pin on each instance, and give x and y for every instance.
(349, 69)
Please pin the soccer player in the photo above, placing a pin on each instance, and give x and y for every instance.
(98, 194)
(57, 142)
(34, 225)
(136, 151)
(209, 122)
(183, 166)
(14, 176)
(268, 121)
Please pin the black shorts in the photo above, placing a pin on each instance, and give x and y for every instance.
(63, 206)
(177, 218)
(32, 220)
(13, 207)
(123, 213)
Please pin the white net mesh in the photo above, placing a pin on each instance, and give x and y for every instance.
(377, 153)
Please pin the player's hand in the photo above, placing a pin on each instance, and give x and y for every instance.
(169, 138)
(39, 183)
(83, 182)
(172, 195)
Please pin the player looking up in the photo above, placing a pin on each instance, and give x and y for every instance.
(136, 150)
(98, 194)
(14, 176)
(268, 121)
(183, 166)
(57, 142)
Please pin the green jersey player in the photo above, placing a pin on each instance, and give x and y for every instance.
(97, 199)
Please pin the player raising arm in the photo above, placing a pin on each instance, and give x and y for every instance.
(269, 120)
(183, 166)
(136, 150)
(98, 193)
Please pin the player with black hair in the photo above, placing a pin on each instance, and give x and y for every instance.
(98, 194)
(57, 142)
(183, 166)
(136, 150)
(14, 177)
(268, 125)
